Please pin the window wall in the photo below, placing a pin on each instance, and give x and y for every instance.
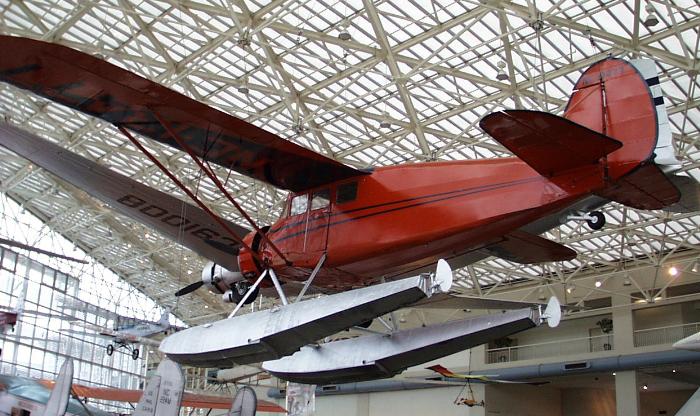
(48, 329)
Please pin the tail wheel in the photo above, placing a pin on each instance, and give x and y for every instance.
(596, 221)
(135, 353)
(110, 349)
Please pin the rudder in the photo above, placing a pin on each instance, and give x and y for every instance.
(612, 97)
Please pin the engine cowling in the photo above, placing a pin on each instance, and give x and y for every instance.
(218, 279)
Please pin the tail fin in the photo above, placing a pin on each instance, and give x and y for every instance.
(60, 395)
(165, 318)
(623, 100)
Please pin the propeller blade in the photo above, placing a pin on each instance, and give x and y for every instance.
(189, 288)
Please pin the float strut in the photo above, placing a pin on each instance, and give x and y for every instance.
(248, 293)
(276, 282)
(311, 278)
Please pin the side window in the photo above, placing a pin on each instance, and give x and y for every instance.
(299, 204)
(320, 199)
(347, 192)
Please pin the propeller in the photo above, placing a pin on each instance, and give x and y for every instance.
(190, 288)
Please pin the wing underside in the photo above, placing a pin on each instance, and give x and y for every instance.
(101, 89)
(180, 221)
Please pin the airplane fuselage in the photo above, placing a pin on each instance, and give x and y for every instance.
(402, 218)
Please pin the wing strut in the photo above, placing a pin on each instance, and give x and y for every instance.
(218, 183)
(187, 191)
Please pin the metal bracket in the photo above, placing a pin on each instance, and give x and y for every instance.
(248, 293)
(276, 282)
(311, 278)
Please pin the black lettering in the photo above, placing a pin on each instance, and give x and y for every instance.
(149, 210)
(131, 201)
(205, 234)
(231, 241)
(191, 227)
(178, 220)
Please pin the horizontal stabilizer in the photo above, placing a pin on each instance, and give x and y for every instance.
(525, 248)
(690, 194)
(180, 221)
(645, 188)
(549, 144)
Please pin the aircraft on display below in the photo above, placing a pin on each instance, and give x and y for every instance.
(8, 320)
(12, 243)
(9, 317)
(164, 395)
(128, 333)
(344, 228)
(448, 375)
(26, 396)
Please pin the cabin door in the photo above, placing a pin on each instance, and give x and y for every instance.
(316, 223)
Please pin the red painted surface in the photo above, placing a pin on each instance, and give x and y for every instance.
(195, 400)
(404, 217)
(8, 318)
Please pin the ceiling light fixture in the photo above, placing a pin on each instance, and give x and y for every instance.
(673, 271)
(651, 19)
(243, 87)
(384, 123)
(344, 34)
(501, 75)
(598, 283)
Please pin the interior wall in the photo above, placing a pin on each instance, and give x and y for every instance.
(437, 401)
(667, 315)
(586, 402)
(567, 329)
(523, 400)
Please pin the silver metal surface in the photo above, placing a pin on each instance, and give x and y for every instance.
(274, 333)
(380, 356)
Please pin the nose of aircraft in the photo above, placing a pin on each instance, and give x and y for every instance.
(691, 343)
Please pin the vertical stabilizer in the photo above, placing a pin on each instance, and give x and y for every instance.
(163, 393)
(60, 395)
(665, 154)
(164, 320)
(613, 98)
(149, 399)
(692, 406)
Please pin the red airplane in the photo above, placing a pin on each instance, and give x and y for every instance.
(356, 226)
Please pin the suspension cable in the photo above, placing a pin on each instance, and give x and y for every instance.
(218, 183)
(188, 192)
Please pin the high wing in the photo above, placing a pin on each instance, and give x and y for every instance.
(98, 88)
(181, 221)
(188, 399)
(56, 315)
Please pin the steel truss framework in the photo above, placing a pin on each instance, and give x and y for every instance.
(326, 74)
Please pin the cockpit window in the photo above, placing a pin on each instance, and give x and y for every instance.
(321, 199)
(299, 204)
(347, 192)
